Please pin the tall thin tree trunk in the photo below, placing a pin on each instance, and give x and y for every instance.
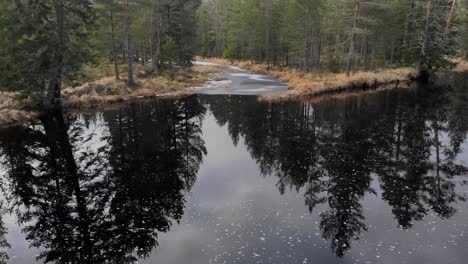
(450, 18)
(152, 37)
(53, 97)
(423, 60)
(114, 51)
(366, 53)
(131, 81)
(357, 6)
(143, 61)
(392, 52)
(319, 50)
(124, 53)
(408, 23)
(337, 43)
(158, 44)
(268, 47)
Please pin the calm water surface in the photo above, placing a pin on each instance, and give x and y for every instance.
(376, 178)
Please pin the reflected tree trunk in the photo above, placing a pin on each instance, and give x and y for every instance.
(61, 149)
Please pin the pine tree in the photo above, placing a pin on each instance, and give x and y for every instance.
(44, 48)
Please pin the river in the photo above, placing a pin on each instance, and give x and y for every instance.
(220, 177)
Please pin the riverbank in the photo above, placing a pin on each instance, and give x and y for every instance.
(101, 91)
(106, 91)
(303, 84)
(461, 65)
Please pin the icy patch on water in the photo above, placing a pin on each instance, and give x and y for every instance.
(254, 90)
(263, 89)
(236, 68)
(255, 77)
(205, 63)
(214, 84)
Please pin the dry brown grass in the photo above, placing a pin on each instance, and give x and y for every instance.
(10, 100)
(461, 65)
(105, 91)
(314, 83)
(109, 91)
(292, 95)
(207, 69)
(12, 116)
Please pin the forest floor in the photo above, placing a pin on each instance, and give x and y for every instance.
(303, 84)
(106, 90)
(100, 90)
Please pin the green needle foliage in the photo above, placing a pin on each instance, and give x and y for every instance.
(324, 34)
(46, 43)
(33, 47)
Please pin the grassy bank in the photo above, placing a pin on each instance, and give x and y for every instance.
(99, 90)
(107, 90)
(311, 84)
(331, 96)
(461, 65)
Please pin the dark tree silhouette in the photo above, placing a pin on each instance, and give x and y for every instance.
(330, 150)
(82, 204)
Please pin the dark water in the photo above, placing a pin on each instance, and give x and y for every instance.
(377, 178)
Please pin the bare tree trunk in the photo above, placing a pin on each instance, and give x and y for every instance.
(53, 97)
(131, 81)
(337, 48)
(392, 52)
(450, 18)
(357, 6)
(319, 49)
(124, 53)
(425, 39)
(361, 61)
(158, 45)
(114, 51)
(408, 23)
(151, 49)
(267, 55)
(143, 61)
(156, 40)
(366, 54)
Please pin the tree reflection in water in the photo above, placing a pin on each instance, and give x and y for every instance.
(332, 150)
(96, 189)
(3, 241)
(85, 199)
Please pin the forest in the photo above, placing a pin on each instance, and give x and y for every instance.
(110, 47)
(62, 43)
(99, 177)
(339, 35)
